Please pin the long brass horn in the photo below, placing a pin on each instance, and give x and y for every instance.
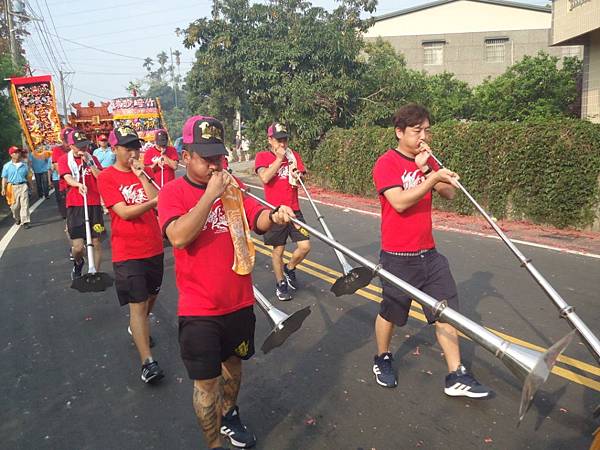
(284, 325)
(354, 278)
(565, 310)
(529, 366)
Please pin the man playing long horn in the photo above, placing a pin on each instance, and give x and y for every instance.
(404, 178)
(208, 221)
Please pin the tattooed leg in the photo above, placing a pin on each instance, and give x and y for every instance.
(232, 379)
(208, 400)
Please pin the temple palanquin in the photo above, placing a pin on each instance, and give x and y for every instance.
(91, 119)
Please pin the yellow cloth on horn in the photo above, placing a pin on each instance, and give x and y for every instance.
(10, 196)
(243, 248)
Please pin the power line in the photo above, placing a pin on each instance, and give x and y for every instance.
(59, 41)
(96, 48)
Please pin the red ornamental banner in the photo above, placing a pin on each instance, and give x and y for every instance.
(35, 102)
(141, 113)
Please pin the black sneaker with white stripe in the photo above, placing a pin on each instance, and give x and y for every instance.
(238, 434)
(151, 372)
(290, 277)
(383, 370)
(462, 384)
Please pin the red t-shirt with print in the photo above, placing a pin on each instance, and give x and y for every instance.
(279, 191)
(409, 231)
(57, 153)
(152, 154)
(74, 198)
(207, 285)
(137, 238)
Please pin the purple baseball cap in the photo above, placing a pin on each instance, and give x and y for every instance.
(277, 131)
(204, 135)
(161, 137)
(78, 139)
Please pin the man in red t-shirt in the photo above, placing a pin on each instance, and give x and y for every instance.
(216, 320)
(60, 187)
(137, 249)
(404, 178)
(161, 159)
(278, 169)
(80, 169)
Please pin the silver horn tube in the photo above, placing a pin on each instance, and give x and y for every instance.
(284, 325)
(565, 310)
(529, 366)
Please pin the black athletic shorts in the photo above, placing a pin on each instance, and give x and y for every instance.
(429, 273)
(206, 341)
(76, 221)
(137, 279)
(278, 234)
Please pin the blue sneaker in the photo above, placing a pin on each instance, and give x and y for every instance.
(290, 277)
(462, 384)
(77, 268)
(233, 428)
(383, 370)
(282, 292)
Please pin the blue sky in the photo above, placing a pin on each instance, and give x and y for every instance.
(130, 29)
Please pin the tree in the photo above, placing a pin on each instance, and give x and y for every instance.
(285, 61)
(148, 63)
(9, 124)
(533, 87)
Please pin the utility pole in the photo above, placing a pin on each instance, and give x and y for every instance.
(11, 32)
(173, 77)
(62, 89)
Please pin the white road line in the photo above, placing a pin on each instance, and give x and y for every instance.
(13, 230)
(457, 230)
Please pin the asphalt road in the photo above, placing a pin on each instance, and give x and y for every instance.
(71, 373)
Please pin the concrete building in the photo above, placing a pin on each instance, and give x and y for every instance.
(577, 22)
(473, 39)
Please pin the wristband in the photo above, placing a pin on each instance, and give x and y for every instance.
(273, 211)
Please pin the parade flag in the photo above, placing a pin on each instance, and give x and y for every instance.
(35, 103)
(140, 113)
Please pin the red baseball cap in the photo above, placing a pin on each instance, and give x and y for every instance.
(102, 137)
(13, 150)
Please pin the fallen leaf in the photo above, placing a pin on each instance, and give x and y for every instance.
(564, 410)
(488, 440)
(310, 421)
(88, 318)
(416, 352)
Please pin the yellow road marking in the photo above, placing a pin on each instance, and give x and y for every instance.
(310, 266)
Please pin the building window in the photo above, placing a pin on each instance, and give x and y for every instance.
(434, 53)
(495, 50)
(570, 51)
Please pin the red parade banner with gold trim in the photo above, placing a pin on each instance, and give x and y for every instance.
(35, 102)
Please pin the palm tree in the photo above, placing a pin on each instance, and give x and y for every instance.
(148, 63)
(133, 88)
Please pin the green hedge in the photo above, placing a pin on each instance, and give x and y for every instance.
(543, 171)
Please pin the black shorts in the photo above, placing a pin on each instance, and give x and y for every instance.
(429, 273)
(206, 341)
(138, 279)
(278, 234)
(76, 221)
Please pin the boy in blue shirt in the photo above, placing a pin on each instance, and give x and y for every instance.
(15, 186)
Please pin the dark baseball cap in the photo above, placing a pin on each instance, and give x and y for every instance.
(125, 136)
(78, 139)
(204, 135)
(161, 138)
(277, 131)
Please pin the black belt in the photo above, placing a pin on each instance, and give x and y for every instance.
(24, 182)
